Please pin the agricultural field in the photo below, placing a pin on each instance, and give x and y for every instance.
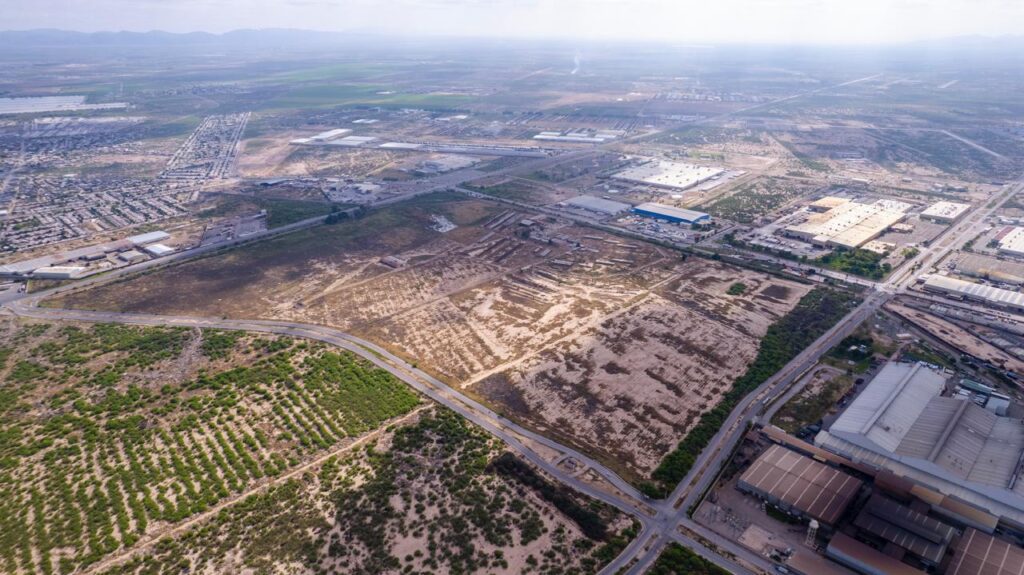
(112, 435)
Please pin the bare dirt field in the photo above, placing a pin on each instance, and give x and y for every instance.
(616, 345)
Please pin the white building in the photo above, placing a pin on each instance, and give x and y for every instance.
(1012, 243)
(945, 212)
(671, 175)
(848, 225)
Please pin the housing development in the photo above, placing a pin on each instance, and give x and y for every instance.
(282, 301)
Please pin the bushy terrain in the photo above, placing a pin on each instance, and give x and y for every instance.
(818, 311)
(109, 434)
(433, 497)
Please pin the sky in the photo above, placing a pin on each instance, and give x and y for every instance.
(719, 21)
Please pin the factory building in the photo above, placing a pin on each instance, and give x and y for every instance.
(671, 214)
(827, 203)
(148, 238)
(158, 250)
(599, 205)
(917, 537)
(1011, 241)
(800, 485)
(970, 291)
(59, 273)
(848, 225)
(945, 212)
(902, 423)
(670, 175)
(858, 556)
(980, 554)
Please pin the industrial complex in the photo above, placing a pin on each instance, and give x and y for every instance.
(904, 423)
(669, 175)
(847, 224)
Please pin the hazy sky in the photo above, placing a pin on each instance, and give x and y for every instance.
(788, 21)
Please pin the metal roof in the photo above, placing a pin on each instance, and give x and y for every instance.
(917, 533)
(149, 238)
(849, 551)
(671, 212)
(598, 204)
(980, 554)
(978, 292)
(812, 488)
(884, 412)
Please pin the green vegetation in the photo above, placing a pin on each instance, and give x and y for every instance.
(432, 483)
(864, 263)
(678, 560)
(756, 199)
(808, 408)
(107, 430)
(816, 312)
(738, 288)
(280, 212)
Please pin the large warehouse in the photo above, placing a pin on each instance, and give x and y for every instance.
(599, 205)
(847, 225)
(671, 214)
(945, 212)
(670, 175)
(883, 521)
(988, 295)
(800, 485)
(902, 423)
(1011, 241)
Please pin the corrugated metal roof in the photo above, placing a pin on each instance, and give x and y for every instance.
(917, 533)
(671, 212)
(981, 554)
(978, 292)
(891, 403)
(598, 204)
(849, 551)
(812, 488)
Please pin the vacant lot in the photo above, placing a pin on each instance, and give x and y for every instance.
(616, 346)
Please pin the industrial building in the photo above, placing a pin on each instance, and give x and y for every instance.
(902, 422)
(800, 485)
(148, 238)
(858, 556)
(670, 175)
(980, 554)
(1011, 241)
(848, 225)
(59, 273)
(671, 214)
(988, 295)
(598, 205)
(579, 136)
(885, 522)
(158, 250)
(827, 203)
(945, 212)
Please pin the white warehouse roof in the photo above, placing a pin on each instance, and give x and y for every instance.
(977, 292)
(902, 423)
(148, 238)
(945, 211)
(1013, 242)
(674, 175)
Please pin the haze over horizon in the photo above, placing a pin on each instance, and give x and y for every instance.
(727, 21)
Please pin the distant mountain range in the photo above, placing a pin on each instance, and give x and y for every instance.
(52, 37)
(294, 37)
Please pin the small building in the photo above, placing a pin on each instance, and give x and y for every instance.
(671, 214)
(800, 485)
(148, 238)
(158, 250)
(131, 256)
(945, 212)
(59, 273)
